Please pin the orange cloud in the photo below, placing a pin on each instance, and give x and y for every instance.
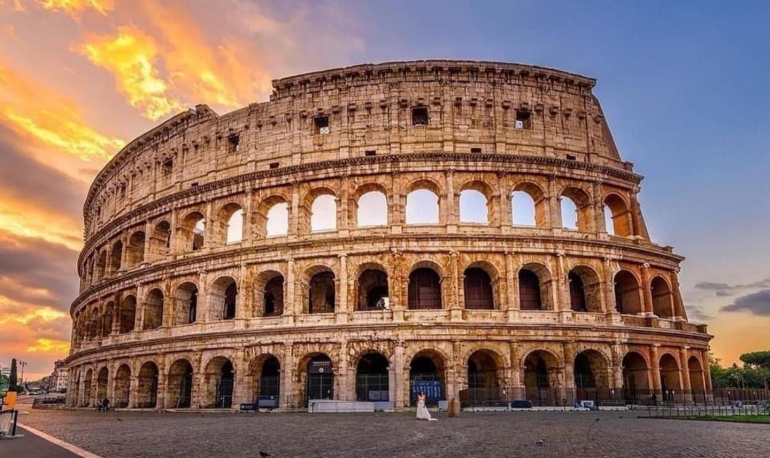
(19, 218)
(130, 57)
(74, 8)
(37, 112)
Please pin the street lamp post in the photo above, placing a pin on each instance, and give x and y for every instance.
(22, 364)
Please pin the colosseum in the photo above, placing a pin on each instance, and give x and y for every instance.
(468, 229)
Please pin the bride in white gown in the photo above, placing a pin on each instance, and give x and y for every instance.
(422, 411)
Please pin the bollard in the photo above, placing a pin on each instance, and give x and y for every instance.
(454, 408)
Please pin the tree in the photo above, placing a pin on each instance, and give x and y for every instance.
(759, 362)
(720, 377)
(13, 377)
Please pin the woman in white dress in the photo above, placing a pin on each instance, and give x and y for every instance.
(422, 411)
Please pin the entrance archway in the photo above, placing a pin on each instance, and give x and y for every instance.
(122, 387)
(372, 378)
(180, 382)
(319, 380)
(87, 388)
(539, 377)
(591, 376)
(670, 381)
(636, 382)
(147, 393)
(697, 381)
(427, 374)
(101, 384)
(483, 385)
(219, 379)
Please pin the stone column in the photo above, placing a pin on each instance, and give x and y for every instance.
(511, 284)
(240, 390)
(448, 209)
(397, 388)
(210, 229)
(608, 287)
(140, 307)
(685, 375)
(655, 369)
(343, 218)
(517, 373)
(554, 205)
(342, 376)
(133, 391)
(295, 216)
(290, 299)
(202, 313)
(161, 393)
(561, 290)
(116, 315)
(707, 374)
(287, 378)
(598, 207)
(647, 304)
(679, 310)
(343, 311)
(248, 219)
(244, 290)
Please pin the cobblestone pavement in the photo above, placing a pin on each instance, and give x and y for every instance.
(502, 434)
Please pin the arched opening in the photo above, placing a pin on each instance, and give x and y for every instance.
(422, 207)
(219, 380)
(186, 303)
(277, 223)
(636, 384)
(268, 376)
(93, 325)
(87, 392)
(231, 223)
(101, 266)
(372, 209)
(522, 209)
(319, 377)
(323, 213)
(135, 251)
(530, 297)
(617, 216)
(223, 299)
(180, 384)
(147, 389)
(427, 372)
(109, 316)
(272, 297)
(372, 378)
(569, 214)
(697, 380)
(193, 230)
(627, 300)
(670, 381)
(122, 387)
(372, 288)
(477, 288)
(576, 210)
(540, 378)
(321, 293)
(116, 256)
(483, 384)
(585, 290)
(153, 310)
(101, 384)
(160, 243)
(424, 289)
(591, 376)
(127, 314)
(662, 303)
(473, 207)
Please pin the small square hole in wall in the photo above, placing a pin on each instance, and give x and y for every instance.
(570, 157)
(321, 125)
(275, 165)
(194, 184)
(420, 116)
(523, 119)
(233, 143)
(370, 152)
(475, 150)
(168, 166)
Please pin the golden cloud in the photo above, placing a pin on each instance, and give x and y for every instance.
(74, 8)
(130, 57)
(37, 112)
(19, 218)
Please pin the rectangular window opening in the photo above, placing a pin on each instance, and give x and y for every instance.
(275, 165)
(194, 184)
(233, 143)
(523, 119)
(420, 116)
(321, 124)
(475, 150)
(571, 157)
(168, 166)
(370, 152)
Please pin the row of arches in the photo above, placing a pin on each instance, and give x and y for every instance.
(426, 289)
(476, 204)
(484, 376)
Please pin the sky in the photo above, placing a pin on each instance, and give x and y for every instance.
(682, 84)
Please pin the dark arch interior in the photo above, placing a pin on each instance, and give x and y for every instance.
(477, 286)
(373, 286)
(529, 290)
(231, 294)
(577, 294)
(424, 289)
(372, 378)
(273, 297)
(322, 295)
(320, 378)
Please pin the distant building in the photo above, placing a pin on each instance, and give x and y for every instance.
(59, 377)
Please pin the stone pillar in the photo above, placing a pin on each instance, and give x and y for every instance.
(707, 373)
(397, 388)
(511, 285)
(240, 388)
(202, 313)
(290, 299)
(343, 311)
(140, 307)
(244, 290)
(685, 375)
(679, 309)
(248, 219)
(655, 369)
(554, 205)
(133, 390)
(561, 290)
(342, 376)
(608, 287)
(161, 393)
(517, 373)
(570, 353)
(598, 207)
(287, 378)
(169, 304)
(343, 217)
(448, 209)
(210, 229)
(647, 304)
(295, 216)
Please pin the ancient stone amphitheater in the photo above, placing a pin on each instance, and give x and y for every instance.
(464, 228)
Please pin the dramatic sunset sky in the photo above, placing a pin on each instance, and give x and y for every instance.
(683, 85)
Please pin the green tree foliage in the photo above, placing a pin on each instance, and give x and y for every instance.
(751, 375)
(13, 377)
(759, 363)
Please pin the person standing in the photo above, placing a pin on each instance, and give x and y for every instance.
(422, 411)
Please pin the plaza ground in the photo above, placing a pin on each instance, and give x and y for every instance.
(473, 434)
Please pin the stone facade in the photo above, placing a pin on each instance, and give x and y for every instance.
(206, 281)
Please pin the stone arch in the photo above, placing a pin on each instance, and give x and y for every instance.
(529, 207)
(480, 281)
(662, 300)
(160, 242)
(425, 286)
(107, 318)
(273, 216)
(369, 206)
(135, 249)
(423, 202)
(541, 376)
(372, 377)
(535, 287)
(147, 387)
(265, 371)
(229, 227)
(484, 372)
(371, 286)
(186, 303)
(320, 210)
(476, 203)
(580, 204)
(116, 259)
(100, 267)
(617, 213)
(270, 289)
(222, 299)
(697, 377)
(316, 377)
(585, 289)
(122, 387)
(591, 374)
(428, 373)
(180, 384)
(127, 314)
(153, 310)
(321, 290)
(636, 377)
(218, 383)
(627, 289)
(670, 377)
(192, 231)
(102, 381)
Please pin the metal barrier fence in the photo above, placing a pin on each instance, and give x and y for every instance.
(761, 408)
(48, 401)
(8, 419)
